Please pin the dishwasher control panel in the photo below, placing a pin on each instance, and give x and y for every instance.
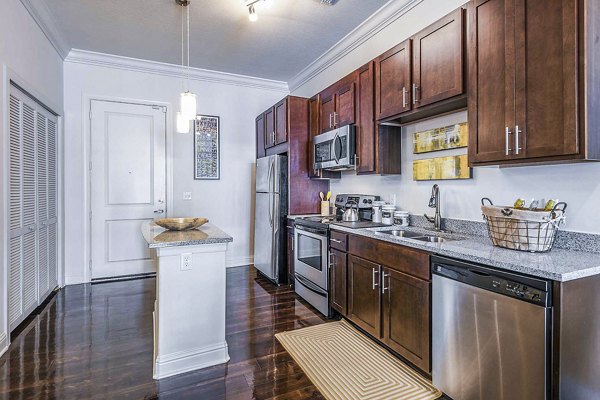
(529, 289)
(519, 290)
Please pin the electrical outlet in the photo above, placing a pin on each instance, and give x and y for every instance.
(186, 262)
(187, 195)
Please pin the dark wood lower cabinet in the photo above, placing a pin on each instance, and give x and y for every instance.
(406, 316)
(389, 297)
(338, 282)
(364, 300)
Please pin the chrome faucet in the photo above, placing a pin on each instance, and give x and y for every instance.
(434, 202)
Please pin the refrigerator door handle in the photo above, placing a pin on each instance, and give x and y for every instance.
(271, 167)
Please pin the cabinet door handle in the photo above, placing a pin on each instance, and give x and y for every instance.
(331, 260)
(334, 118)
(517, 132)
(273, 134)
(414, 93)
(507, 133)
(383, 288)
(375, 283)
(403, 96)
(335, 240)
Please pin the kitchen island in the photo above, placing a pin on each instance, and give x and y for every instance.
(189, 311)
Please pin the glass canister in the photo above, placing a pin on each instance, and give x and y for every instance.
(401, 218)
(387, 214)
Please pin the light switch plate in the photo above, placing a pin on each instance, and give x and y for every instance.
(186, 262)
(187, 195)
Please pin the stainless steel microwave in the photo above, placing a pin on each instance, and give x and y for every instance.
(336, 149)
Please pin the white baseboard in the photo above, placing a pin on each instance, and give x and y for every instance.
(239, 261)
(74, 280)
(3, 343)
(185, 361)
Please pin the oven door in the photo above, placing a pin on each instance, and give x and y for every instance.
(310, 254)
(335, 149)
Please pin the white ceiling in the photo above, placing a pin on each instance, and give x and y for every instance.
(285, 39)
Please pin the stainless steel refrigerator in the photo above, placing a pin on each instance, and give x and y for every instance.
(270, 211)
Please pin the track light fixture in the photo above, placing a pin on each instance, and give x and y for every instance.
(253, 4)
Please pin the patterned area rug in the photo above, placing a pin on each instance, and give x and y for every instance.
(346, 365)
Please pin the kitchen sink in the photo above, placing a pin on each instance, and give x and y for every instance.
(432, 239)
(401, 233)
(417, 236)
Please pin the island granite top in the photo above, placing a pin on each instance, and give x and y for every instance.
(157, 236)
(558, 264)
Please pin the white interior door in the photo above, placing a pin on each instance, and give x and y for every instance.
(128, 185)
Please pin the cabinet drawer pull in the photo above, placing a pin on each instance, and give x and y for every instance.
(335, 240)
(517, 132)
(507, 133)
(383, 288)
(375, 283)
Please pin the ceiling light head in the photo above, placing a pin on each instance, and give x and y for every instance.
(252, 15)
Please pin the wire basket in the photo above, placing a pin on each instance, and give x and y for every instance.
(525, 230)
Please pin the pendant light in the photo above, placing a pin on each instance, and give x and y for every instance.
(187, 102)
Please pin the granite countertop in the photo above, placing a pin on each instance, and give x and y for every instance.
(157, 236)
(558, 264)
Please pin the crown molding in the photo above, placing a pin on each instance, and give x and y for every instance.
(177, 71)
(43, 18)
(380, 19)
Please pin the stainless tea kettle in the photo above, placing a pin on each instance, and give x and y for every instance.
(351, 213)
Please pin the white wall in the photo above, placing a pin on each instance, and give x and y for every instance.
(577, 184)
(25, 56)
(226, 202)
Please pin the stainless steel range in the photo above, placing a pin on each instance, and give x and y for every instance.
(311, 248)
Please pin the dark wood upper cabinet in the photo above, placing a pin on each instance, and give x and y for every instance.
(523, 81)
(491, 80)
(546, 78)
(338, 281)
(366, 136)
(260, 136)
(393, 81)
(269, 127)
(345, 107)
(407, 316)
(281, 121)
(327, 110)
(438, 60)
(364, 300)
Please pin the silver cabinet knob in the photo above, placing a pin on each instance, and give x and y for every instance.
(159, 211)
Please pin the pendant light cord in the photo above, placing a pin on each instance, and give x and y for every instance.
(182, 50)
(188, 47)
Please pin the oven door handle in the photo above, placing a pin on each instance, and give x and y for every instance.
(310, 286)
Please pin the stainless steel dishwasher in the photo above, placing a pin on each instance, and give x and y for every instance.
(491, 333)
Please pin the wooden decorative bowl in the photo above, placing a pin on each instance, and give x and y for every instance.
(180, 224)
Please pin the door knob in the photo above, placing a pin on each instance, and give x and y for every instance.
(159, 211)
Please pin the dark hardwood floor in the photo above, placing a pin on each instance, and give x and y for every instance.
(95, 342)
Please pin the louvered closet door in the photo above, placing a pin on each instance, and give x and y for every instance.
(32, 206)
(46, 203)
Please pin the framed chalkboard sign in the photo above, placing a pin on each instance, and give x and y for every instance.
(206, 147)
